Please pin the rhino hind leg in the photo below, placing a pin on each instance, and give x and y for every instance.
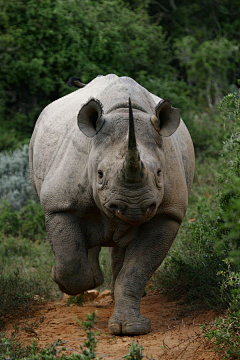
(73, 272)
(93, 254)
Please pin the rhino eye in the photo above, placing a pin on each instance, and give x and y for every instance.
(100, 174)
(159, 172)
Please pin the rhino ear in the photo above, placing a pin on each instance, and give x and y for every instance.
(90, 119)
(167, 118)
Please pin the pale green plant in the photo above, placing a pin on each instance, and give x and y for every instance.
(15, 184)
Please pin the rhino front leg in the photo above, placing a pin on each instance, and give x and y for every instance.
(117, 256)
(73, 272)
(142, 258)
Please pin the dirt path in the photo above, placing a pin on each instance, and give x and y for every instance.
(174, 334)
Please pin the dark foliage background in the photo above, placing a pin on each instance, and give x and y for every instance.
(185, 51)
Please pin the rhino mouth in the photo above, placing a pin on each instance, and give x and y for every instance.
(132, 216)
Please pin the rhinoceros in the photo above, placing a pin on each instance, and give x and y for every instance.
(112, 165)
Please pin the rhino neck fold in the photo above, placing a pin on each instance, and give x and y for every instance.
(133, 169)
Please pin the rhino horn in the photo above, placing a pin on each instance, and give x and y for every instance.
(133, 169)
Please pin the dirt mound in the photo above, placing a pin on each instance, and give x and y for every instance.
(175, 332)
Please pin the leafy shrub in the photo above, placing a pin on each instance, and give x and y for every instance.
(191, 267)
(22, 250)
(78, 300)
(104, 261)
(208, 65)
(9, 139)
(134, 352)
(28, 222)
(229, 197)
(208, 132)
(225, 331)
(11, 349)
(225, 335)
(24, 275)
(15, 184)
(17, 295)
(63, 39)
(214, 233)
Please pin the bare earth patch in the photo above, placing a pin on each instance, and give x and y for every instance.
(175, 332)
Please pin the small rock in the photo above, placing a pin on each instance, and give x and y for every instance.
(91, 294)
(88, 295)
(104, 294)
(65, 297)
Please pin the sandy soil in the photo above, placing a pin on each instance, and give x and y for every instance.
(174, 334)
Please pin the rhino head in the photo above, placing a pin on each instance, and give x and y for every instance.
(126, 159)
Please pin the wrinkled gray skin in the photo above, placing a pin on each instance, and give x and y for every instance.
(103, 183)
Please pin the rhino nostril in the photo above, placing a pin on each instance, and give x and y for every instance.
(114, 209)
(150, 209)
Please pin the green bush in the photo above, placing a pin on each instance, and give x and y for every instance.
(28, 222)
(225, 330)
(135, 352)
(78, 300)
(104, 261)
(214, 233)
(18, 295)
(207, 66)
(22, 250)
(25, 269)
(225, 335)
(229, 197)
(191, 267)
(204, 264)
(9, 139)
(178, 52)
(208, 132)
(44, 43)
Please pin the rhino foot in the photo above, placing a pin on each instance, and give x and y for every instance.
(140, 326)
(115, 328)
(74, 285)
